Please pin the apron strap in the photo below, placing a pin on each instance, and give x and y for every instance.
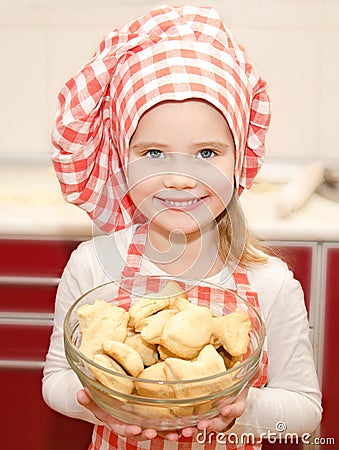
(135, 252)
(243, 286)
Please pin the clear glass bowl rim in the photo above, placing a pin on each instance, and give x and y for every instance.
(247, 361)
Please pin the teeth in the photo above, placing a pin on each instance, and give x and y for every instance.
(182, 204)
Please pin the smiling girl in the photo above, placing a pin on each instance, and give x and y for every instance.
(155, 138)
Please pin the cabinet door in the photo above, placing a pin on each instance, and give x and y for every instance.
(19, 294)
(330, 368)
(35, 257)
(28, 423)
(300, 259)
(29, 273)
(24, 341)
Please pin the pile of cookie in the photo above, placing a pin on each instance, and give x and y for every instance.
(163, 338)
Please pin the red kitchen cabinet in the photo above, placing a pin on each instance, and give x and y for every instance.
(24, 340)
(29, 274)
(28, 423)
(21, 294)
(329, 431)
(301, 260)
(35, 257)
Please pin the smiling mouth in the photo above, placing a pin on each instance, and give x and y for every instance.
(181, 204)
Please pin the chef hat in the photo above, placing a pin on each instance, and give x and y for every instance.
(170, 53)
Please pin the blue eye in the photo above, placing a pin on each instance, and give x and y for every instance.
(155, 154)
(206, 153)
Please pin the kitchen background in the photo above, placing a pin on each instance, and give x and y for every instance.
(294, 44)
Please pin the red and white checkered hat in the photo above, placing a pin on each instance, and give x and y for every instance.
(170, 53)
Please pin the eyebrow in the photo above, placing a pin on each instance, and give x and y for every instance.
(145, 144)
(206, 144)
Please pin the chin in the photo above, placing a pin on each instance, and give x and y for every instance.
(177, 228)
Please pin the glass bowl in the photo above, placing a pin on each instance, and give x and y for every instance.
(200, 398)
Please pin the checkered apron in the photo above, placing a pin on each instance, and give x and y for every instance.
(103, 438)
(170, 53)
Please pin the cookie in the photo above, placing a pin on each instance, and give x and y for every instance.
(126, 356)
(147, 351)
(100, 330)
(232, 332)
(155, 372)
(208, 363)
(145, 307)
(100, 310)
(151, 328)
(115, 382)
(187, 332)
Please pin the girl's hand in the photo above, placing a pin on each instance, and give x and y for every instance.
(224, 421)
(221, 423)
(228, 414)
(121, 428)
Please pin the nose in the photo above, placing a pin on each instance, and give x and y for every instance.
(179, 181)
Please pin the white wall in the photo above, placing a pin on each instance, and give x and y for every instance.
(294, 44)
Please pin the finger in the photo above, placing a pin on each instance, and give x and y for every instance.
(172, 436)
(132, 430)
(123, 429)
(86, 400)
(210, 424)
(148, 433)
(83, 397)
(218, 423)
(204, 424)
(234, 410)
(117, 426)
(189, 432)
(237, 407)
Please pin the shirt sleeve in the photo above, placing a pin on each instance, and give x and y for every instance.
(291, 399)
(60, 384)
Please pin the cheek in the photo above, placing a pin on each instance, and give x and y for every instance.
(219, 180)
(143, 179)
(143, 190)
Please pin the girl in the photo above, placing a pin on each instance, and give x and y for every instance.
(155, 137)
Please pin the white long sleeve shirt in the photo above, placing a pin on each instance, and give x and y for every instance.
(292, 393)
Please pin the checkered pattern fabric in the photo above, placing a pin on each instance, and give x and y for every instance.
(170, 53)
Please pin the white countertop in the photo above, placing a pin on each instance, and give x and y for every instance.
(317, 220)
(32, 205)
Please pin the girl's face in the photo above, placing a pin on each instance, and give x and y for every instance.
(181, 165)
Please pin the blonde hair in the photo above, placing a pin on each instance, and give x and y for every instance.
(236, 241)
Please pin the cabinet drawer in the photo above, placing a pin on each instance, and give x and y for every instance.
(35, 257)
(24, 341)
(28, 423)
(27, 297)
